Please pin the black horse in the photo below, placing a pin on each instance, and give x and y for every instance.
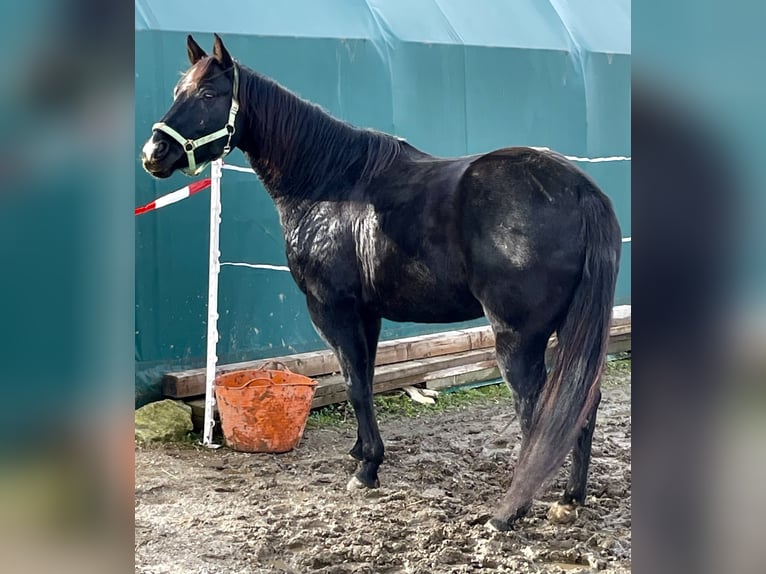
(375, 228)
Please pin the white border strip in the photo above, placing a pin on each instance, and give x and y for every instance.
(259, 266)
(283, 268)
(237, 168)
(569, 157)
(586, 159)
(598, 159)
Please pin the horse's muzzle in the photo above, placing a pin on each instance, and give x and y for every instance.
(154, 156)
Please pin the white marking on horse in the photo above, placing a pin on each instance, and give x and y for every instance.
(149, 147)
(514, 245)
(366, 231)
(185, 83)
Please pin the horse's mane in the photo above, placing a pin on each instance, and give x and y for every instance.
(302, 146)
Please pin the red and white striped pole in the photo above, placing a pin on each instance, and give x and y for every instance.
(174, 196)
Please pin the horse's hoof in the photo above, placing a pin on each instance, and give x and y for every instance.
(496, 524)
(562, 513)
(356, 484)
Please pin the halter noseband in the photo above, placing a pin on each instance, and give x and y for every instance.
(190, 145)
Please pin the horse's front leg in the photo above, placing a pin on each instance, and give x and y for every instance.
(354, 339)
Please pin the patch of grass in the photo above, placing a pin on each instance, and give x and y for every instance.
(337, 415)
(617, 371)
(456, 399)
(191, 440)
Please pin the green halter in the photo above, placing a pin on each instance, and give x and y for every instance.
(190, 145)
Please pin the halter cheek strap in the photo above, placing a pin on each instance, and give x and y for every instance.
(190, 145)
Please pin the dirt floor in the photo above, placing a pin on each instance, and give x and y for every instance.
(218, 511)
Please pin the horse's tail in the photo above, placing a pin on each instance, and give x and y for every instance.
(572, 387)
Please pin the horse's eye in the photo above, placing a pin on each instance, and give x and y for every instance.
(208, 95)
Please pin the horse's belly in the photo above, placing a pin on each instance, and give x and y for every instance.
(445, 314)
(421, 298)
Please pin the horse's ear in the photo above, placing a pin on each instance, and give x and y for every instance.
(195, 52)
(220, 53)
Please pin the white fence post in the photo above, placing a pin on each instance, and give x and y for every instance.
(212, 302)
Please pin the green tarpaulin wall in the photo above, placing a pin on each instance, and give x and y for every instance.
(452, 77)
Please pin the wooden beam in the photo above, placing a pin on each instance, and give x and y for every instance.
(332, 389)
(441, 370)
(190, 383)
(464, 375)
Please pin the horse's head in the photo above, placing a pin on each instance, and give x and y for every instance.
(201, 125)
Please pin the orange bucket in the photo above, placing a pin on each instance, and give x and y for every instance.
(264, 410)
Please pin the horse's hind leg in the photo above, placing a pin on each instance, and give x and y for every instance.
(522, 362)
(575, 491)
(354, 339)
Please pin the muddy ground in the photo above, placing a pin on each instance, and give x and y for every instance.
(202, 511)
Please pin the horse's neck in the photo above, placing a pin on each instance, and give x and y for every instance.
(290, 144)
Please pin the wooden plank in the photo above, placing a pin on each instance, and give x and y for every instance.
(389, 377)
(190, 383)
(619, 344)
(465, 375)
(338, 395)
(435, 345)
(332, 389)
(183, 384)
(198, 413)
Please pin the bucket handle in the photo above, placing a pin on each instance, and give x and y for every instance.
(242, 386)
(280, 366)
